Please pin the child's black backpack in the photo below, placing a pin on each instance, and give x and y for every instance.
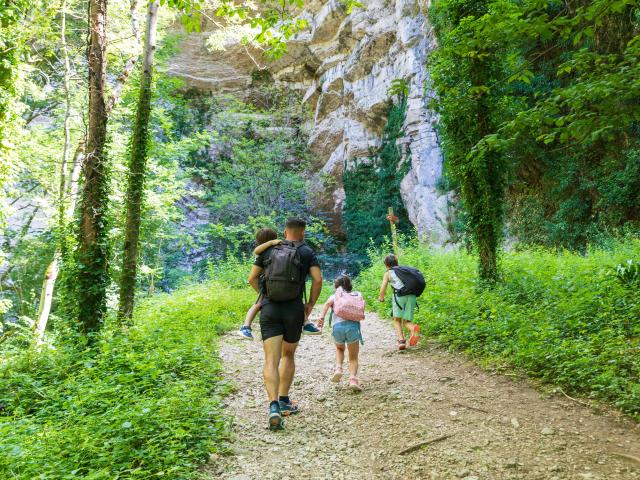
(283, 272)
(412, 279)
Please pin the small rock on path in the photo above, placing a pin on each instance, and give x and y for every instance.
(500, 428)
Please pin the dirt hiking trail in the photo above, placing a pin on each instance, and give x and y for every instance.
(482, 425)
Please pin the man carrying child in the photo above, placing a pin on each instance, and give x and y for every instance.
(283, 269)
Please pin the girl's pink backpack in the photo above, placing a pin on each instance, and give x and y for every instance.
(348, 305)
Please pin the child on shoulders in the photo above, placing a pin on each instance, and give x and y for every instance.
(265, 239)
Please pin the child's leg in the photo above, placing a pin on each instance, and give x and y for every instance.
(251, 314)
(354, 349)
(397, 325)
(414, 330)
(339, 354)
(410, 325)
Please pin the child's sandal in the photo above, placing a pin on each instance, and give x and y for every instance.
(402, 344)
(415, 336)
(355, 385)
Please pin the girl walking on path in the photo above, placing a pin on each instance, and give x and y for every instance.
(403, 305)
(346, 332)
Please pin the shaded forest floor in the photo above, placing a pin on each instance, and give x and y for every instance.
(487, 426)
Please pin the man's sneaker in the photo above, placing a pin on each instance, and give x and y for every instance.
(275, 418)
(336, 376)
(355, 385)
(311, 329)
(245, 332)
(290, 408)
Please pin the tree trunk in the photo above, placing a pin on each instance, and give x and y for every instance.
(51, 274)
(92, 275)
(62, 192)
(137, 170)
(486, 180)
(69, 181)
(46, 298)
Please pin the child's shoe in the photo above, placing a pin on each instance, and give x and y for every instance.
(245, 332)
(415, 336)
(337, 375)
(355, 385)
(402, 344)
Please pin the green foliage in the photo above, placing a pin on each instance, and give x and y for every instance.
(275, 20)
(463, 68)
(19, 21)
(557, 316)
(398, 87)
(628, 273)
(373, 185)
(190, 12)
(250, 173)
(562, 84)
(146, 402)
(11, 49)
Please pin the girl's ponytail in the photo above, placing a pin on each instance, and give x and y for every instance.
(343, 281)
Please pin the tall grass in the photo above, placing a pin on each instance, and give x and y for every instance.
(145, 403)
(563, 318)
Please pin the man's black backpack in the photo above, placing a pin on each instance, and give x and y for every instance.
(412, 279)
(283, 278)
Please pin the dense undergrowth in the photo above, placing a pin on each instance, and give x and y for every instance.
(145, 403)
(563, 318)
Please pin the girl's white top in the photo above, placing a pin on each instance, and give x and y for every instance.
(336, 318)
(395, 281)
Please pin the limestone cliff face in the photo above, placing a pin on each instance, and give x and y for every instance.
(344, 66)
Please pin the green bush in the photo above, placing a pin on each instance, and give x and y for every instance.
(146, 402)
(563, 318)
(373, 185)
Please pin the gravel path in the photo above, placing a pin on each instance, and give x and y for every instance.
(486, 426)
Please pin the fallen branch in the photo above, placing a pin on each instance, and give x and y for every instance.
(584, 404)
(462, 405)
(626, 456)
(419, 445)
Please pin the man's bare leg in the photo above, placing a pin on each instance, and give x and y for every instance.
(272, 351)
(287, 367)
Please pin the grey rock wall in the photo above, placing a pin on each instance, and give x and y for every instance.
(343, 66)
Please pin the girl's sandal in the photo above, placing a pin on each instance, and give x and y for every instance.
(414, 338)
(402, 344)
(355, 385)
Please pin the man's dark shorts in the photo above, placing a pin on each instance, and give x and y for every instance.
(282, 318)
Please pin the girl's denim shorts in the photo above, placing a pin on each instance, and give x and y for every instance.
(346, 332)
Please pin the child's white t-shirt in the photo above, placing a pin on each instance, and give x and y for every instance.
(395, 281)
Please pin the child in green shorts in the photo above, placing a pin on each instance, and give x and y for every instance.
(403, 305)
